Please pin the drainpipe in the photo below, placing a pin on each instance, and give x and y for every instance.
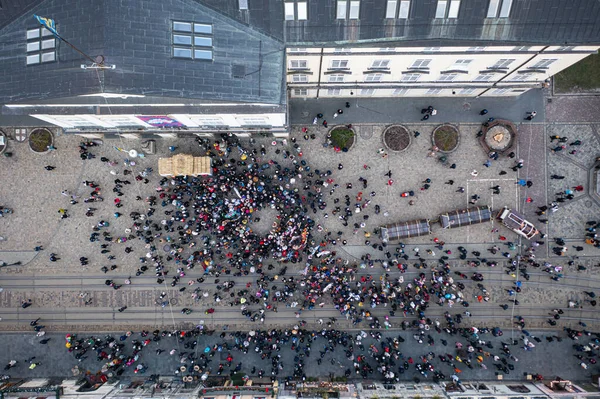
(320, 68)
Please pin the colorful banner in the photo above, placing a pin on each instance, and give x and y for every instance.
(160, 121)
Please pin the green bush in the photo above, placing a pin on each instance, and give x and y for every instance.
(342, 137)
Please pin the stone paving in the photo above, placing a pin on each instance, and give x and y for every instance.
(36, 221)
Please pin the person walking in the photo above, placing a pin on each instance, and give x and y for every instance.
(49, 167)
(530, 115)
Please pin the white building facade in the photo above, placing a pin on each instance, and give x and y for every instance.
(318, 72)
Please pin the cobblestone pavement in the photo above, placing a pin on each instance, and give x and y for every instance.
(36, 197)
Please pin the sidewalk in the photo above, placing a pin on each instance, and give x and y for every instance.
(408, 109)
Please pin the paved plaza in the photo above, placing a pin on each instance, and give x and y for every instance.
(59, 290)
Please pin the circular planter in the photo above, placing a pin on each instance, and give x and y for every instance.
(40, 139)
(446, 138)
(342, 137)
(396, 138)
(498, 136)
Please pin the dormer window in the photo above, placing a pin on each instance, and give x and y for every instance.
(192, 40)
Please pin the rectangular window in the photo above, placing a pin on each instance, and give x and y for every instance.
(354, 9)
(404, 9)
(40, 49)
(521, 77)
(342, 9)
(484, 77)
(367, 92)
(302, 11)
(334, 92)
(421, 63)
(502, 63)
(299, 78)
(375, 77)
(521, 48)
(454, 8)
(400, 92)
(387, 49)
(566, 48)
(339, 64)
(431, 49)
(243, 4)
(493, 8)
(203, 29)
(467, 91)
(254, 121)
(434, 91)
(440, 11)
(411, 77)
(380, 64)
(505, 9)
(192, 40)
(297, 50)
(501, 91)
(545, 63)
(390, 11)
(298, 64)
(300, 92)
(448, 77)
(336, 78)
(182, 26)
(476, 49)
(290, 14)
(181, 39)
(461, 63)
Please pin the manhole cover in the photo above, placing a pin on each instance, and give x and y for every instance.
(366, 133)
(21, 135)
(588, 204)
(173, 301)
(304, 114)
(467, 106)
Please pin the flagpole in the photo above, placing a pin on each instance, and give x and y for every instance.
(79, 51)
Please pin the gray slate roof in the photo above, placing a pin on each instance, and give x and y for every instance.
(557, 22)
(136, 37)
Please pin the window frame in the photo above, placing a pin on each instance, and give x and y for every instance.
(300, 92)
(434, 90)
(334, 91)
(299, 64)
(367, 91)
(336, 78)
(347, 9)
(477, 78)
(37, 50)
(427, 61)
(385, 62)
(503, 63)
(345, 66)
(397, 9)
(294, 10)
(400, 91)
(299, 78)
(374, 77)
(447, 77)
(193, 31)
(447, 9)
(546, 62)
(410, 77)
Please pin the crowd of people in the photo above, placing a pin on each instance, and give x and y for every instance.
(210, 224)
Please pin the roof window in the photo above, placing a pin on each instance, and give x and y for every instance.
(192, 40)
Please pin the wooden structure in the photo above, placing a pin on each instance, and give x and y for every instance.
(184, 165)
(466, 217)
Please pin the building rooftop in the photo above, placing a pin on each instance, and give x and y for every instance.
(555, 22)
(138, 38)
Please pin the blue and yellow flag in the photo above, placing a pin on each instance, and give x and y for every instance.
(48, 24)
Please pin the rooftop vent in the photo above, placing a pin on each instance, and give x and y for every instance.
(238, 71)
